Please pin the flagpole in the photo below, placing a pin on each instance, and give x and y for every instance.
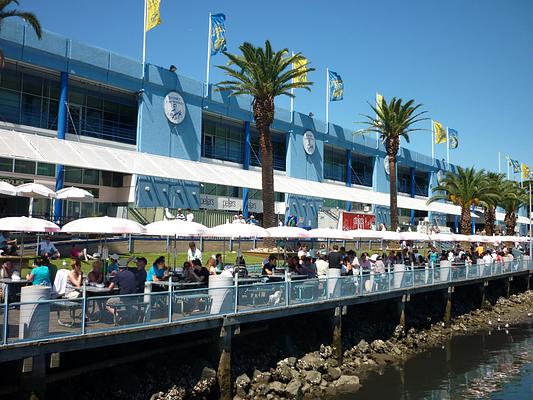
(499, 163)
(292, 97)
(144, 37)
(327, 100)
(448, 146)
(508, 172)
(208, 58)
(432, 144)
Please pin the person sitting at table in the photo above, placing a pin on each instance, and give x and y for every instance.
(269, 266)
(113, 265)
(40, 274)
(140, 272)
(240, 267)
(7, 246)
(157, 271)
(193, 252)
(77, 253)
(346, 266)
(322, 266)
(365, 263)
(293, 263)
(96, 275)
(48, 249)
(212, 265)
(198, 273)
(308, 268)
(6, 272)
(124, 280)
(74, 279)
(220, 263)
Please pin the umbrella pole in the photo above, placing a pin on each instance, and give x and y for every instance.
(30, 208)
(21, 252)
(175, 251)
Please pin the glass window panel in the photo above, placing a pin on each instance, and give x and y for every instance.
(9, 106)
(6, 164)
(91, 177)
(73, 175)
(93, 121)
(24, 167)
(94, 100)
(51, 88)
(76, 96)
(222, 190)
(46, 169)
(10, 78)
(32, 84)
(31, 110)
(50, 110)
(111, 107)
(118, 179)
(107, 178)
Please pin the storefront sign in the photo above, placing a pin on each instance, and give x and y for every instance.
(211, 202)
(352, 221)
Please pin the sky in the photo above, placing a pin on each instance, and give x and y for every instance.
(469, 62)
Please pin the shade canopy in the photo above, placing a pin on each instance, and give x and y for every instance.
(237, 231)
(103, 225)
(329, 233)
(441, 237)
(414, 236)
(74, 193)
(391, 235)
(8, 189)
(27, 224)
(176, 227)
(288, 232)
(35, 190)
(365, 234)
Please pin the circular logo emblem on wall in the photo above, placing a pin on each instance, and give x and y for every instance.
(174, 107)
(386, 165)
(309, 142)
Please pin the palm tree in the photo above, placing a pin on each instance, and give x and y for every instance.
(264, 74)
(513, 197)
(29, 17)
(466, 188)
(392, 121)
(497, 181)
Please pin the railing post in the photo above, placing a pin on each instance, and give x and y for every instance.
(170, 290)
(6, 311)
(287, 286)
(413, 276)
(236, 292)
(83, 308)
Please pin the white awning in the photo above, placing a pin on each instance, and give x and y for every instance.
(85, 155)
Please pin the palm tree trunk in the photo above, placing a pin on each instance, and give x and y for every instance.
(393, 191)
(264, 114)
(466, 220)
(510, 222)
(490, 220)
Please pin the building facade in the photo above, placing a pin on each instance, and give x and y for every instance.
(158, 142)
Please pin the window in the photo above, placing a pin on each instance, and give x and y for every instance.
(73, 175)
(279, 149)
(6, 164)
(24, 167)
(91, 177)
(362, 169)
(334, 163)
(113, 179)
(45, 169)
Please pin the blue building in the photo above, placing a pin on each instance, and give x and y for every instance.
(76, 115)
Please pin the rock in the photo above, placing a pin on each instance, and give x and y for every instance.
(363, 346)
(399, 332)
(292, 361)
(293, 388)
(313, 377)
(331, 362)
(326, 351)
(310, 361)
(396, 350)
(208, 373)
(334, 372)
(283, 373)
(261, 377)
(347, 384)
(242, 384)
(378, 346)
(277, 387)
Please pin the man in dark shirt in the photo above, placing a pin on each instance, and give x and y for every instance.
(269, 267)
(140, 274)
(198, 272)
(125, 281)
(335, 258)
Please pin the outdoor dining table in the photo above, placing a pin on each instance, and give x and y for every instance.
(14, 286)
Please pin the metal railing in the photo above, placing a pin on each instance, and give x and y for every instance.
(43, 320)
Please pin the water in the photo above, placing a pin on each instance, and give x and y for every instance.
(496, 365)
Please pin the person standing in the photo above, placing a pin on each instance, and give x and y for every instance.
(189, 216)
(180, 216)
(193, 253)
(335, 258)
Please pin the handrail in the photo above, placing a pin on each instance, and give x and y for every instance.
(284, 294)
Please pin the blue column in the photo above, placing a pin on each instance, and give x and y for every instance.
(246, 165)
(348, 175)
(456, 223)
(61, 130)
(412, 192)
(473, 222)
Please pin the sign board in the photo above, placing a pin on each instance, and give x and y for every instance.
(211, 202)
(352, 221)
(174, 107)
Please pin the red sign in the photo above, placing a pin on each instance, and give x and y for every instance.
(352, 221)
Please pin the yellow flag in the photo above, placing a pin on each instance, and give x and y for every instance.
(153, 16)
(301, 63)
(440, 133)
(525, 171)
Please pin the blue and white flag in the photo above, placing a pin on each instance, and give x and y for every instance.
(515, 164)
(453, 138)
(336, 87)
(218, 33)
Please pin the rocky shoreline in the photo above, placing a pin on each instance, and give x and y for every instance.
(319, 375)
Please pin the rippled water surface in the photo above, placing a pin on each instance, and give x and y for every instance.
(496, 365)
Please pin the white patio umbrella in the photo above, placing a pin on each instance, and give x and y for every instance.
(35, 190)
(441, 237)
(414, 236)
(329, 233)
(392, 236)
(288, 232)
(176, 227)
(103, 225)
(365, 234)
(74, 193)
(481, 238)
(237, 231)
(457, 237)
(27, 224)
(8, 189)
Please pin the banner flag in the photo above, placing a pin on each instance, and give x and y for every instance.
(218, 33)
(440, 132)
(336, 87)
(301, 63)
(453, 137)
(153, 15)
